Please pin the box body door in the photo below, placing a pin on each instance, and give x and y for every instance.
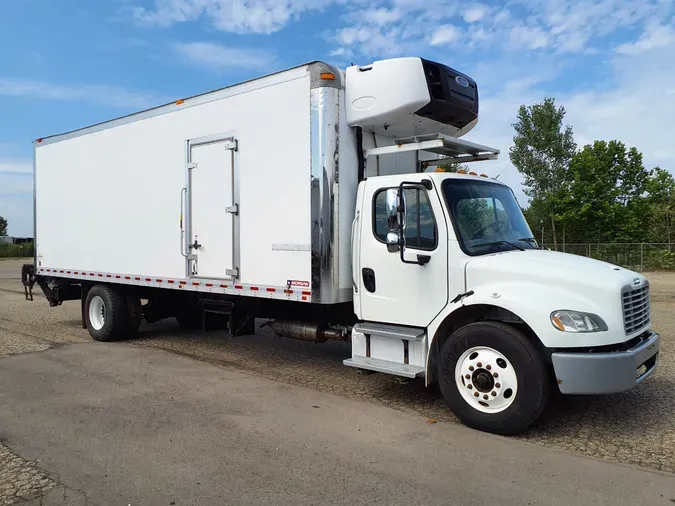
(213, 211)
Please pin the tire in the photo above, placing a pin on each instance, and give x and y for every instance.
(105, 313)
(134, 315)
(497, 358)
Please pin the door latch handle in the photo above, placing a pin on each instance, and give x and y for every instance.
(195, 245)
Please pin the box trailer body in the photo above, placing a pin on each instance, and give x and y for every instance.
(308, 198)
(240, 171)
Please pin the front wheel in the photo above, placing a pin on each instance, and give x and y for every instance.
(493, 378)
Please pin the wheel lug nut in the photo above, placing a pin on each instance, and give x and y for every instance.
(498, 385)
(470, 368)
(469, 386)
(468, 376)
(494, 394)
(488, 367)
(495, 375)
(479, 364)
(476, 394)
(486, 397)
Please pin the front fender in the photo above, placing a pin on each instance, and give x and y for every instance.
(533, 303)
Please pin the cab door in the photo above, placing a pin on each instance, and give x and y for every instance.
(391, 291)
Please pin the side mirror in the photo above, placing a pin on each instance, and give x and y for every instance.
(393, 224)
(392, 206)
(393, 241)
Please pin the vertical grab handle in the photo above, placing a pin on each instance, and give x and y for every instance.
(182, 230)
(354, 282)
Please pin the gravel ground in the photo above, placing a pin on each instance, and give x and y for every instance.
(21, 480)
(636, 427)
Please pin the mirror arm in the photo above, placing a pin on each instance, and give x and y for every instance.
(427, 185)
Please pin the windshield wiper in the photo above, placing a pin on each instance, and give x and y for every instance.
(529, 240)
(497, 243)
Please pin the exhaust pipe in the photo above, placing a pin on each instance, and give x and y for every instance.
(307, 332)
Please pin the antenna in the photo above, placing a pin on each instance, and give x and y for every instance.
(507, 166)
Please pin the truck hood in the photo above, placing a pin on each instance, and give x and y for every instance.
(533, 283)
(553, 269)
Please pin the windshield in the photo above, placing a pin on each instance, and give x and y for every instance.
(486, 217)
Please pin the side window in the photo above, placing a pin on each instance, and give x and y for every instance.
(420, 228)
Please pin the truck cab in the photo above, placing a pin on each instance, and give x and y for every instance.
(450, 284)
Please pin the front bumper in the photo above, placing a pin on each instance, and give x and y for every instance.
(606, 373)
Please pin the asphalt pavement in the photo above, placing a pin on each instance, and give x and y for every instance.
(117, 424)
(197, 419)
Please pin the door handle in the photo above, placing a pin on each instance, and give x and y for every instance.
(182, 231)
(369, 279)
(354, 283)
(195, 245)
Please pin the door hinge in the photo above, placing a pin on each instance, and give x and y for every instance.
(233, 209)
(231, 144)
(192, 165)
(233, 272)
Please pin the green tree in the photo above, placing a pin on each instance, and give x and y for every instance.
(3, 226)
(607, 199)
(542, 151)
(454, 167)
(661, 190)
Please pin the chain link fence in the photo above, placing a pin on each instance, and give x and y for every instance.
(640, 256)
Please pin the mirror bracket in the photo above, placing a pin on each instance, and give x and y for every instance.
(427, 185)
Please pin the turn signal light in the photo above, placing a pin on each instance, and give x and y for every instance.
(328, 76)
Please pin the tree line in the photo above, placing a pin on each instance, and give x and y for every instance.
(599, 193)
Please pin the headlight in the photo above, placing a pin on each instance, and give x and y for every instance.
(576, 321)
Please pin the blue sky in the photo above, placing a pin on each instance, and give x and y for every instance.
(71, 63)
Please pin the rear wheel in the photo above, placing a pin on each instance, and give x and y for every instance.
(105, 313)
(493, 378)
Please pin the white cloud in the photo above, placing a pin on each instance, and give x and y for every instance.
(369, 39)
(528, 37)
(219, 57)
(341, 51)
(112, 96)
(557, 26)
(653, 37)
(634, 105)
(444, 34)
(380, 17)
(475, 13)
(16, 167)
(237, 16)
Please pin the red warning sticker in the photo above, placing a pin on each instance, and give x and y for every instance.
(298, 283)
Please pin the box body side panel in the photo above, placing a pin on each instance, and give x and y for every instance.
(110, 200)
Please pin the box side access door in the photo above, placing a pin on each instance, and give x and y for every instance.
(212, 247)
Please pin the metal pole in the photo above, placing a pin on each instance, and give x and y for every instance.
(542, 237)
(642, 256)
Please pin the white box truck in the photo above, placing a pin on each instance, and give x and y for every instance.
(309, 198)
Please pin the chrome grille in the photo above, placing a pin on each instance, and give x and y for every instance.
(636, 309)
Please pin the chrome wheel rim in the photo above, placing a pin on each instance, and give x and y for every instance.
(486, 379)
